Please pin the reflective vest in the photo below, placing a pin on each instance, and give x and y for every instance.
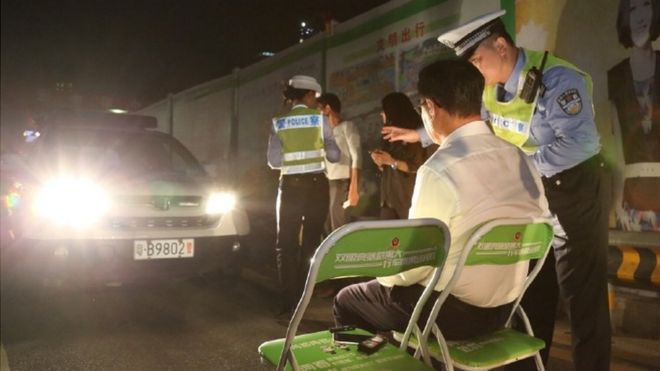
(301, 134)
(512, 120)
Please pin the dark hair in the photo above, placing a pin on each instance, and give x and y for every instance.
(291, 93)
(454, 85)
(399, 111)
(331, 100)
(623, 22)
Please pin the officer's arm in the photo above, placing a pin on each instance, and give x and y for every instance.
(274, 153)
(332, 152)
(567, 109)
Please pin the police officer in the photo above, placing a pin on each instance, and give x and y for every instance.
(298, 146)
(543, 104)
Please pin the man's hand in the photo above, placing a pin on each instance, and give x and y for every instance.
(393, 134)
(353, 198)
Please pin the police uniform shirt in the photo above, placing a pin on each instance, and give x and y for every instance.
(274, 154)
(563, 122)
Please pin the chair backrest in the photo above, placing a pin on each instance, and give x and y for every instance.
(497, 242)
(374, 249)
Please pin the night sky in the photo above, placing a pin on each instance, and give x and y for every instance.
(141, 50)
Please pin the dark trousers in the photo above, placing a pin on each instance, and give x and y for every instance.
(388, 212)
(302, 209)
(580, 199)
(337, 215)
(374, 307)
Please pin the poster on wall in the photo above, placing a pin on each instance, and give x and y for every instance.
(395, 42)
(634, 90)
(618, 46)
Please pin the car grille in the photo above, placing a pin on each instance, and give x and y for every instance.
(157, 201)
(127, 223)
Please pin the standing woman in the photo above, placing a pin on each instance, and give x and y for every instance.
(398, 161)
(298, 146)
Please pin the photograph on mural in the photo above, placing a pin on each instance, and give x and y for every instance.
(364, 82)
(412, 60)
(634, 89)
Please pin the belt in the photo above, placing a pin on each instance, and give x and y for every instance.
(592, 162)
(304, 176)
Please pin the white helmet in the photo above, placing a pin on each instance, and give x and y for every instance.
(305, 82)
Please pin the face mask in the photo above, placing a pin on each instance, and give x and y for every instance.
(428, 123)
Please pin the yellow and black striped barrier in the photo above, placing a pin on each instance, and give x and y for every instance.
(634, 259)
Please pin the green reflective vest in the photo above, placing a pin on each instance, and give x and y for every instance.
(512, 120)
(301, 134)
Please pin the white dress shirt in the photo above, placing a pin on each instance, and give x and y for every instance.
(347, 137)
(472, 178)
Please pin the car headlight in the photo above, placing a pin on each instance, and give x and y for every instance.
(220, 203)
(70, 201)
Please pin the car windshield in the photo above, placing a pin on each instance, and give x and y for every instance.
(124, 153)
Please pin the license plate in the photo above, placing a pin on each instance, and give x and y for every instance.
(163, 249)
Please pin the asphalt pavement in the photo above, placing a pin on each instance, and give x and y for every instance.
(197, 324)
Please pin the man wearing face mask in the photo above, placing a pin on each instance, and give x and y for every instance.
(543, 105)
(473, 177)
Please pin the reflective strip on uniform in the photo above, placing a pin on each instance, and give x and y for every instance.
(302, 155)
(512, 120)
(301, 169)
(297, 122)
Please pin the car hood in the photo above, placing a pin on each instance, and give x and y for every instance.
(162, 185)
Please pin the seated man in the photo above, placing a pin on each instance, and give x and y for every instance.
(472, 178)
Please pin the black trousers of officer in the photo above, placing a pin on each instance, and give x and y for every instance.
(580, 198)
(303, 206)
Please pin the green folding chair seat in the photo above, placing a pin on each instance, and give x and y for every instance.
(499, 242)
(363, 249)
(317, 351)
(487, 351)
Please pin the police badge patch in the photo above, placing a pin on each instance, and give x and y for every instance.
(570, 101)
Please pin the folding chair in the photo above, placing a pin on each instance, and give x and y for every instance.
(498, 242)
(362, 249)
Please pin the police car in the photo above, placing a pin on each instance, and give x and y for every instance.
(106, 199)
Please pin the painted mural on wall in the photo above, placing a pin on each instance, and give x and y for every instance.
(362, 82)
(412, 60)
(634, 90)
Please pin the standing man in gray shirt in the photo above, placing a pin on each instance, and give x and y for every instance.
(344, 175)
